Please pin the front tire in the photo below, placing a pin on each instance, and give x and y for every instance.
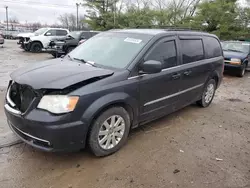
(36, 47)
(242, 70)
(208, 94)
(55, 55)
(109, 132)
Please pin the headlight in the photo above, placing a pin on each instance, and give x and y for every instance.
(236, 60)
(58, 104)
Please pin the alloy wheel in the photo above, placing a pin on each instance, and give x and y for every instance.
(209, 93)
(111, 132)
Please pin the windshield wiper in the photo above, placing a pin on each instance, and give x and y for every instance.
(70, 58)
(85, 62)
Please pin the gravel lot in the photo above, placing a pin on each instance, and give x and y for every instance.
(12, 57)
(193, 147)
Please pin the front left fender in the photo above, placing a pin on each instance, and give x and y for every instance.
(108, 100)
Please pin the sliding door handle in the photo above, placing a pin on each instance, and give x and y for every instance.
(187, 73)
(176, 76)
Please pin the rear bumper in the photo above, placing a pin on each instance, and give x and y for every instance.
(52, 135)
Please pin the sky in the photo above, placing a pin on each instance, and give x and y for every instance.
(44, 11)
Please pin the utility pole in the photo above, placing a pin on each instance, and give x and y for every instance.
(77, 20)
(114, 14)
(7, 20)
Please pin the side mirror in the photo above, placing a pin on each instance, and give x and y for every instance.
(151, 67)
(48, 34)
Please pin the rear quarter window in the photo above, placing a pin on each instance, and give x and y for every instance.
(212, 47)
(192, 50)
(61, 32)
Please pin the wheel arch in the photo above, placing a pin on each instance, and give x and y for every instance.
(246, 62)
(111, 100)
(37, 41)
(214, 75)
(70, 46)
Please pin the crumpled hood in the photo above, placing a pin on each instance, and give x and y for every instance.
(57, 74)
(238, 55)
(26, 35)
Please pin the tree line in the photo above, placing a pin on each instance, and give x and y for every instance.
(225, 18)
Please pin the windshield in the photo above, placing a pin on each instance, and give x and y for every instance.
(109, 49)
(236, 46)
(40, 31)
(75, 34)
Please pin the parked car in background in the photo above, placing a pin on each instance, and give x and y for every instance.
(1, 38)
(236, 54)
(58, 47)
(40, 39)
(11, 34)
(115, 81)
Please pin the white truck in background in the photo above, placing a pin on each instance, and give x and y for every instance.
(40, 39)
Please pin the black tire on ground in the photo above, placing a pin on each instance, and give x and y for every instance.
(93, 137)
(55, 54)
(242, 71)
(204, 102)
(69, 49)
(36, 47)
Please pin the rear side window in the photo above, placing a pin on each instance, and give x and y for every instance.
(212, 47)
(61, 32)
(85, 35)
(52, 32)
(164, 52)
(192, 50)
(93, 33)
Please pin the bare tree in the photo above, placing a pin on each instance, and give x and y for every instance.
(69, 21)
(64, 20)
(13, 20)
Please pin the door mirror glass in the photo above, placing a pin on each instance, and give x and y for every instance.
(48, 34)
(151, 67)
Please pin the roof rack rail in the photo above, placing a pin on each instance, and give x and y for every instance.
(173, 28)
(170, 28)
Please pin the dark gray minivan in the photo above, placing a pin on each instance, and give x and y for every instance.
(112, 83)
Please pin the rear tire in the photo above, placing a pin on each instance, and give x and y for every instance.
(109, 132)
(242, 71)
(208, 94)
(36, 47)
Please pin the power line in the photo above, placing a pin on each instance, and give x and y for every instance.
(38, 3)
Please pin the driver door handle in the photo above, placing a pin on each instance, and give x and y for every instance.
(187, 73)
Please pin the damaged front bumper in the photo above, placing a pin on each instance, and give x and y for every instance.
(50, 135)
(24, 43)
(55, 49)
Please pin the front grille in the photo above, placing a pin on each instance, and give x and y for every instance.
(22, 96)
